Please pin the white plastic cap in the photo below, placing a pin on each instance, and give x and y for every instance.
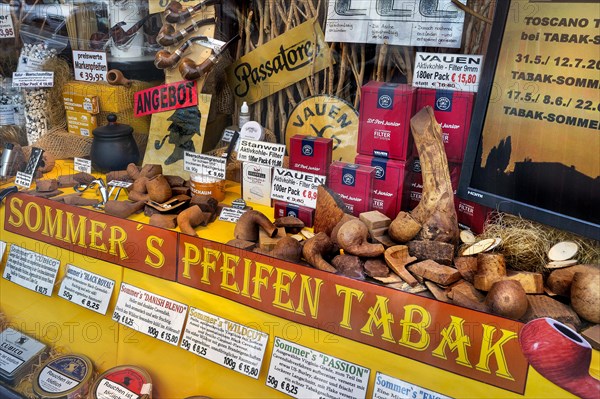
(245, 108)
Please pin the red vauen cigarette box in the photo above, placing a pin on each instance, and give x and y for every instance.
(453, 111)
(310, 154)
(388, 186)
(354, 183)
(385, 112)
(303, 213)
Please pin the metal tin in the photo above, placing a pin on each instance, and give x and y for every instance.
(18, 354)
(126, 382)
(64, 377)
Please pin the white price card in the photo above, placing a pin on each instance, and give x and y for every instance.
(225, 342)
(7, 29)
(387, 387)
(89, 66)
(302, 372)
(23, 179)
(86, 289)
(82, 165)
(260, 152)
(31, 270)
(33, 79)
(295, 186)
(205, 165)
(151, 314)
(231, 215)
(456, 72)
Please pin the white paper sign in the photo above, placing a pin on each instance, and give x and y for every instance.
(151, 314)
(86, 289)
(458, 72)
(89, 66)
(230, 214)
(301, 372)
(82, 165)
(205, 165)
(23, 179)
(2, 248)
(260, 152)
(224, 342)
(431, 23)
(387, 387)
(295, 186)
(33, 79)
(7, 29)
(31, 270)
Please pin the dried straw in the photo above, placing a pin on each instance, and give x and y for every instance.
(525, 243)
(62, 74)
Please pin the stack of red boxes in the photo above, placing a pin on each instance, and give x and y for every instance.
(453, 110)
(384, 140)
(354, 184)
(308, 154)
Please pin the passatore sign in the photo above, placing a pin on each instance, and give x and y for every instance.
(165, 98)
(476, 345)
(134, 245)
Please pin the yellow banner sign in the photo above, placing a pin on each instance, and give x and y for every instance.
(279, 63)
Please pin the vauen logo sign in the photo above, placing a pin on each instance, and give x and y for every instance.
(279, 63)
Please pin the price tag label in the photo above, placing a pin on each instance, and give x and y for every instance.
(82, 165)
(205, 165)
(31, 270)
(86, 289)
(231, 214)
(119, 184)
(456, 72)
(387, 387)
(89, 66)
(295, 186)
(260, 152)
(151, 314)
(7, 29)
(301, 372)
(23, 179)
(33, 79)
(224, 342)
(227, 135)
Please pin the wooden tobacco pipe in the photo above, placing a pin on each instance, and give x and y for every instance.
(119, 36)
(116, 78)
(168, 35)
(561, 355)
(176, 13)
(189, 70)
(165, 59)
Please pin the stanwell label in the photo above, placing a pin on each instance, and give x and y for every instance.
(31, 270)
(295, 186)
(7, 29)
(151, 314)
(86, 289)
(458, 72)
(260, 152)
(89, 66)
(205, 165)
(224, 342)
(33, 79)
(301, 372)
(230, 214)
(82, 165)
(387, 387)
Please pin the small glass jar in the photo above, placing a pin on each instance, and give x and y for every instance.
(207, 185)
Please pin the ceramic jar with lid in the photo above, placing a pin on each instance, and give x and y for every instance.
(113, 146)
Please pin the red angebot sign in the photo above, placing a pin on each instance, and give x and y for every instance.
(134, 245)
(165, 98)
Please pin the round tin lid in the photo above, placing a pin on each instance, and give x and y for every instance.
(113, 129)
(121, 381)
(63, 376)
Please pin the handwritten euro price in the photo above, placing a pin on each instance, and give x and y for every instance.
(289, 388)
(199, 349)
(41, 290)
(248, 369)
(7, 32)
(310, 194)
(168, 337)
(464, 78)
(126, 320)
(91, 77)
(90, 304)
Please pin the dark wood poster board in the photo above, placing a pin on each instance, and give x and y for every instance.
(534, 145)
